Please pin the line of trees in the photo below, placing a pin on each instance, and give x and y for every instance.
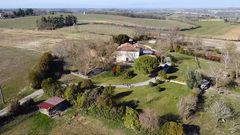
(21, 12)
(53, 22)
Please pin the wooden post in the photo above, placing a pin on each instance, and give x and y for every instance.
(1, 95)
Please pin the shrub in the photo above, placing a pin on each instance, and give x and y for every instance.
(149, 120)
(130, 119)
(87, 84)
(129, 75)
(35, 78)
(146, 64)
(158, 81)
(194, 79)
(121, 39)
(81, 99)
(14, 107)
(172, 128)
(69, 94)
(163, 74)
(220, 110)
(151, 84)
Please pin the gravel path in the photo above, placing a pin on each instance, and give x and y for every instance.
(145, 83)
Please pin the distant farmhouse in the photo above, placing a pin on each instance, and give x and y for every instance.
(128, 52)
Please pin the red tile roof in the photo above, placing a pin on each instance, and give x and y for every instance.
(50, 103)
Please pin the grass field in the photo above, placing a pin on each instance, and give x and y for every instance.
(164, 102)
(149, 23)
(187, 63)
(14, 67)
(30, 22)
(216, 29)
(108, 78)
(101, 29)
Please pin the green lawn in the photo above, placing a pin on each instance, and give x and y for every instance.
(186, 63)
(108, 78)
(164, 102)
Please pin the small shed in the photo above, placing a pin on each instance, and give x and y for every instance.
(52, 106)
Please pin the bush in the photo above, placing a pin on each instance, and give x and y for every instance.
(14, 107)
(35, 78)
(151, 84)
(69, 94)
(81, 99)
(158, 81)
(146, 64)
(121, 39)
(172, 128)
(130, 119)
(87, 84)
(194, 79)
(163, 74)
(129, 75)
(149, 120)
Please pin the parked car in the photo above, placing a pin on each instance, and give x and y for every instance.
(206, 84)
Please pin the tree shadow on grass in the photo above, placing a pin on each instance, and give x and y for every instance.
(132, 103)
(122, 94)
(27, 110)
(172, 77)
(170, 117)
(173, 70)
(191, 129)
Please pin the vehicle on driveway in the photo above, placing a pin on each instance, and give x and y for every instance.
(205, 84)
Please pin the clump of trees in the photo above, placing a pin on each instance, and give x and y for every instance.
(47, 67)
(21, 12)
(146, 64)
(53, 22)
(121, 39)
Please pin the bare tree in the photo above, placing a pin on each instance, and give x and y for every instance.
(230, 58)
(216, 72)
(149, 119)
(196, 45)
(173, 36)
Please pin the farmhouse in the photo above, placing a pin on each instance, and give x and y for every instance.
(52, 106)
(128, 52)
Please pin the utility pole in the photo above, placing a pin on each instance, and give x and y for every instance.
(1, 95)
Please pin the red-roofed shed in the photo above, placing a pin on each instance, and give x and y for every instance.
(50, 105)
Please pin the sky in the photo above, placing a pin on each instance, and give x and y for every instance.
(119, 3)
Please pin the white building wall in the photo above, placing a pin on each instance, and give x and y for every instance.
(123, 56)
